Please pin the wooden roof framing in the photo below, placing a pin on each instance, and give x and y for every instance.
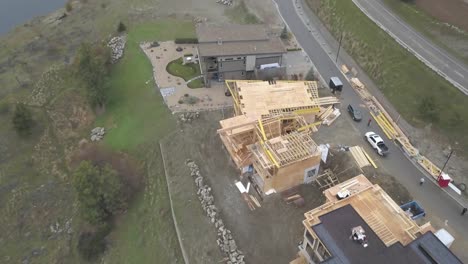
(285, 149)
(260, 99)
(375, 206)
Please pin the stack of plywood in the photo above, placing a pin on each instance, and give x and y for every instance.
(359, 156)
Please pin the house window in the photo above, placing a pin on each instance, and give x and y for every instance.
(228, 59)
(242, 73)
(220, 64)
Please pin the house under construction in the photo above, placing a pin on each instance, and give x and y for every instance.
(366, 227)
(271, 131)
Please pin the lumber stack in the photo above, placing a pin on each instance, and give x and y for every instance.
(332, 117)
(324, 112)
(328, 100)
(359, 156)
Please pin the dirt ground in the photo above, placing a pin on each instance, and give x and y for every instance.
(254, 231)
(451, 11)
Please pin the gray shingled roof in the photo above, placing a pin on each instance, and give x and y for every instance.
(273, 45)
(229, 32)
(335, 230)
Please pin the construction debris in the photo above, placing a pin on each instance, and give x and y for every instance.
(327, 179)
(225, 2)
(97, 133)
(188, 117)
(117, 46)
(225, 241)
(332, 117)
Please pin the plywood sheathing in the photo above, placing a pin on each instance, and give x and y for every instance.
(373, 204)
(259, 99)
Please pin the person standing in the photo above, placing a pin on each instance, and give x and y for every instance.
(421, 181)
(368, 122)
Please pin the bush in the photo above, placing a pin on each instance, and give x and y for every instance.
(121, 27)
(22, 119)
(293, 49)
(68, 6)
(284, 34)
(99, 192)
(91, 244)
(186, 41)
(428, 109)
(310, 76)
(91, 66)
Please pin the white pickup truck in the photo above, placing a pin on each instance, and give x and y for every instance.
(377, 143)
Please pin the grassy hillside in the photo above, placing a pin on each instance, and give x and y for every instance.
(138, 119)
(448, 37)
(420, 95)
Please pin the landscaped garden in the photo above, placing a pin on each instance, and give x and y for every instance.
(185, 71)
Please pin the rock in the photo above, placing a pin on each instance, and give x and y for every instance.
(117, 46)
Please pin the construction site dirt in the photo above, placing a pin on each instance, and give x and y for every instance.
(269, 234)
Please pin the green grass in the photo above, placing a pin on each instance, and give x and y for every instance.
(429, 26)
(138, 119)
(186, 72)
(136, 112)
(241, 14)
(197, 83)
(403, 79)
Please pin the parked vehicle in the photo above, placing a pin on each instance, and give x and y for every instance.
(413, 210)
(335, 84)
(377, 143)
(355, 113)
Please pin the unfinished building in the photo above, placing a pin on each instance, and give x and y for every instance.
(366, 226)
(271, 131)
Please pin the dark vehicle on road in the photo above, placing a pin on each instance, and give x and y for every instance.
(355, 113)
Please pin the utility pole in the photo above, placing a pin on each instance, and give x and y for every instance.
(445, 164)
(339, 47)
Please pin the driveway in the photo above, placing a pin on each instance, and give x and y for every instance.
(437, 59)
(439, 206)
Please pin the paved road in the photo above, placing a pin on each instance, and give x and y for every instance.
(438, 204)
(436, 58)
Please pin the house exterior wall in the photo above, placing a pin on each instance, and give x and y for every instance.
(232, 75)
(291, 175)
(268, 59)
(235, 65)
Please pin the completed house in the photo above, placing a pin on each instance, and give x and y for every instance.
(235, 51)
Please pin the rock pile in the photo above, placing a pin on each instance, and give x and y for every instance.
(117, 46)
(225, 2)
(97, 133)
(226, 242)
(188, 117)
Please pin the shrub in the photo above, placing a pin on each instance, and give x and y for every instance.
(91, 66)
(99, 192)
(121, 27)
(310, 76)
(91, 244)
(428, 109)
(186, 41)
(68, 6)
(22, 119)
(284, 34)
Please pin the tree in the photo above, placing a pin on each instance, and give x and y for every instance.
(284, 34)
(310, 76)
(121, 27)
(92, 68)
(98, 191)
(22, 119)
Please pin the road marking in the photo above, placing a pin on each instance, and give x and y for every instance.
(459, 74)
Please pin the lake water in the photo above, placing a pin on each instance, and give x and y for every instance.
(17, 12)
